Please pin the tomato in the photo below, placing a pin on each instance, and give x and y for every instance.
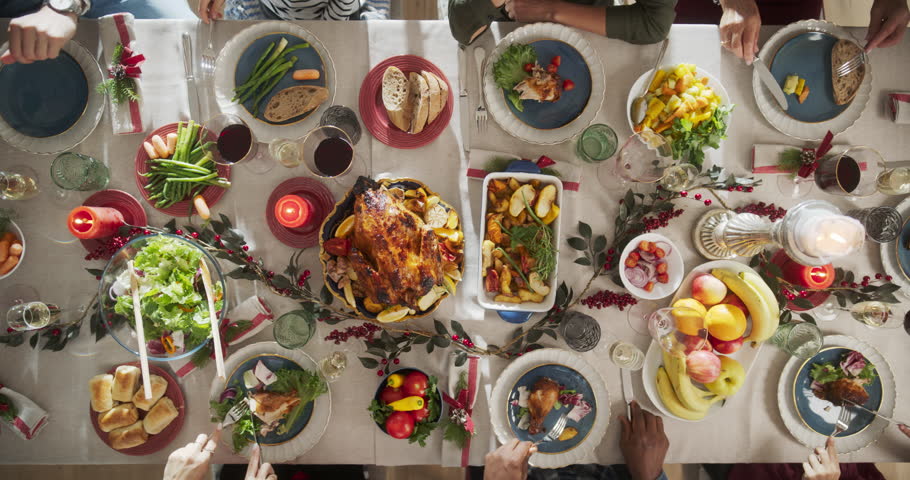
(552, 68)
(400, 424)
(568, 85)
(557, 60)
(529, 67)
(389, 395)
(421, 414)
(446, 253)
(340, 247)
(415, 383)
(491, 281)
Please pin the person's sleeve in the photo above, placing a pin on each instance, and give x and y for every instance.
(340, 9)
(646, 21)
(663, 476)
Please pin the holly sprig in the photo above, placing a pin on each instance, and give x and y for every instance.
(8, 410)
(455, 429)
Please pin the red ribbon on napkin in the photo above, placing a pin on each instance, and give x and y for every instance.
(125, 40)
(809, 167)
(464, 401)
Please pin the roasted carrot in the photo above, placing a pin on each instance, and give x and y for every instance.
(9, 237)
(9, 264)
(306, 74)
(4, 250)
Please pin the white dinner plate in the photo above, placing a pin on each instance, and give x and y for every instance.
(889, 254)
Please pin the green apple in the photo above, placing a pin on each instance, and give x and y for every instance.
(732, 376)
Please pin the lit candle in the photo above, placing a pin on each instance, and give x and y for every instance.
(293, 211)
(94, 222)
(825, 235)
(816, 278)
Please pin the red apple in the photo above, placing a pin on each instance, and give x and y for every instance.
(726, 347)
(732, 299)
(703, 366)
(694, 343)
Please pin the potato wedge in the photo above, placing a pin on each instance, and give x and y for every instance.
(524, 194)
(506, 299)
(505, 279)
(513, 184)
(545, 201)
(536, 284)
(529, 296)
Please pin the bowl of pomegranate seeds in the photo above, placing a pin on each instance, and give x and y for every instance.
(651, 267)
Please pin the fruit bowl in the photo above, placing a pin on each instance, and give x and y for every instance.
(744, 354)
(672, 259)
(18, 232)
(379, 399)
(173, 254)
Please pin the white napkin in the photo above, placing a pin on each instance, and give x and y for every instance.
(765, 157)
(253, 309)
(898, 106)
(126, 117)
(482, 162)
(30, 418)
(451, 455)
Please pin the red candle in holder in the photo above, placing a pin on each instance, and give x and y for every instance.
(815, 278)
(94, 222)
(293, 211)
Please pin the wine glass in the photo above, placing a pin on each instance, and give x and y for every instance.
(875, 314)
(894, 181)
(235, 143)
(328, 152)
(678, 329)
(647, 157)
(31, 316)
(852, 173)
(794, 186)
(18, 182)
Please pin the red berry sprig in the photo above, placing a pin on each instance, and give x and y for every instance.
(606, 298)
(773, 212)
(366, 331)
(662, 220)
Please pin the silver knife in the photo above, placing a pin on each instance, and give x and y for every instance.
(627, 394)
(192, 94)
(879, 415)
(464, 102)
(770, 82)
(638, 108)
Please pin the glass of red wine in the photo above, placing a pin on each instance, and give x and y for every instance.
(235, 143)
(852, 173)
(328, 152)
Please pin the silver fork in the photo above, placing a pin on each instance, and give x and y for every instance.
(480, 116)
(843, 421)
(207, 60)
(557, 429)
(234, 414)
(851, 65)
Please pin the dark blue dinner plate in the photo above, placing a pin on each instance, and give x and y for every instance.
(809, 56)
(570, 380)
(307, 58)
(274, 363)
(821, 415)
(43, 99)
(550, 115)
(903, 254)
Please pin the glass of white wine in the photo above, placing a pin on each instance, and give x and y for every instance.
(18, 183)
(286, 152)
(875, 314)
(894, 181)
(333, 365)
(31, 316)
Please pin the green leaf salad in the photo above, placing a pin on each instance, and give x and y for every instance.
(174, 307)
(509, 70)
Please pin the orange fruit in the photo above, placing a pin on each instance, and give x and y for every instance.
(725, 322)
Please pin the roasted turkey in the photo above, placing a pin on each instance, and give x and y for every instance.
(544, 395)
(395, 255)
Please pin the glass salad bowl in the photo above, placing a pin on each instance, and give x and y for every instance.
(172, 296)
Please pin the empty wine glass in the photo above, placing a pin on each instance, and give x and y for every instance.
(647, 157)
(677, 329)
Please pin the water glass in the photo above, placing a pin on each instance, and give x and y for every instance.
(798, 339)
(285, 151)
(31, 316)
(596, 144)
(883, 224)
(74, 171)
(581, 332)
(343, 118)
(333, 366)
(626, 355)
(294, 329)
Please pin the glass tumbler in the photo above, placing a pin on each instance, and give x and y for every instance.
(294, 329)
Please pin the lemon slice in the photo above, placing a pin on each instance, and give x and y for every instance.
(449, 284)
(436, 216)
(345, 228)
(453, 272)
(394, 313)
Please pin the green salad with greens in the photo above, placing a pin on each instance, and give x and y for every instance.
(509, 70)
(171, 292)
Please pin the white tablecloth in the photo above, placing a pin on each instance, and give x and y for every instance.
(749, 428)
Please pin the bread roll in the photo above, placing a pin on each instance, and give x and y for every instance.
(160, 416)
(159, 386)
(420, 102)
(845, 87)
(119, 416)
(294, 102)
(99, 388)
(396, 98)
(126, 378)
(128, 437)
(434, 103)
(443, 93)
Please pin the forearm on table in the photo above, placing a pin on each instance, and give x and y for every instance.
(584, 17)
(646, 21)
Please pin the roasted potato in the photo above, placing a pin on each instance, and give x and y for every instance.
(494, 231)
(545, 201)
(505, 281)
(529, 296)
(523, 195)
(506, 299)
(513, 184)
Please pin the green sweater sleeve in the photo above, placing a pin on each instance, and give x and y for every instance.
(646, 21)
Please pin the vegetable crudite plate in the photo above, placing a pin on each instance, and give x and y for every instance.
(240, 55)
(309, 426)
(548, 123)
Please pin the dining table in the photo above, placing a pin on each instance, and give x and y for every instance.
(748, 428)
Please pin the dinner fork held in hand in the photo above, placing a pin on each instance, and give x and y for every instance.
(850, 65)
(843, 421)
(207, 60)
(480, 115)
(234, 414)
(557, 429)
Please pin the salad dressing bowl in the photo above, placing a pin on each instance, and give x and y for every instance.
(172, 296)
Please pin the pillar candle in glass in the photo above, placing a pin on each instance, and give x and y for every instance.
(94, 222)
(293, 211)
(827, 236)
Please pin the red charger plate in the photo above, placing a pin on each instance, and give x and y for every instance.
(815, 298)
(129, 207)
(373, 113)
(318, 195)
(182, 208)
(161, 440)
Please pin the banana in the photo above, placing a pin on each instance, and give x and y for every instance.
(671, 401)
(759, 284)
(764, 323)
(691, 397)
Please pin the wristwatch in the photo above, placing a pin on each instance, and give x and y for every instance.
(79, 7)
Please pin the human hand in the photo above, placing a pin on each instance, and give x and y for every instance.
(822, 464)
(192, 461)
(509, 462)
(530, 11)
(257, 471)
(739, 27)
(210, 10)
(904, 429)
(38, 36)
(643, 443)
(887, 23)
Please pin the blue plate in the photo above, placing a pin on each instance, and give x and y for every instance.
(571, 380)
(307, 58)
(812, 410)
(274, 363)
(550, 115)
(903, 254)
(809, 56)
(50, 96)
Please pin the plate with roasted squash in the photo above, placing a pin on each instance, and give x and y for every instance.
(392, 249)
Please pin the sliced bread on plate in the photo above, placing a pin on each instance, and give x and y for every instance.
(294, 102)
(443, 91)
(435, 103)
(420, 102)
(396, 97)
(845, 87)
